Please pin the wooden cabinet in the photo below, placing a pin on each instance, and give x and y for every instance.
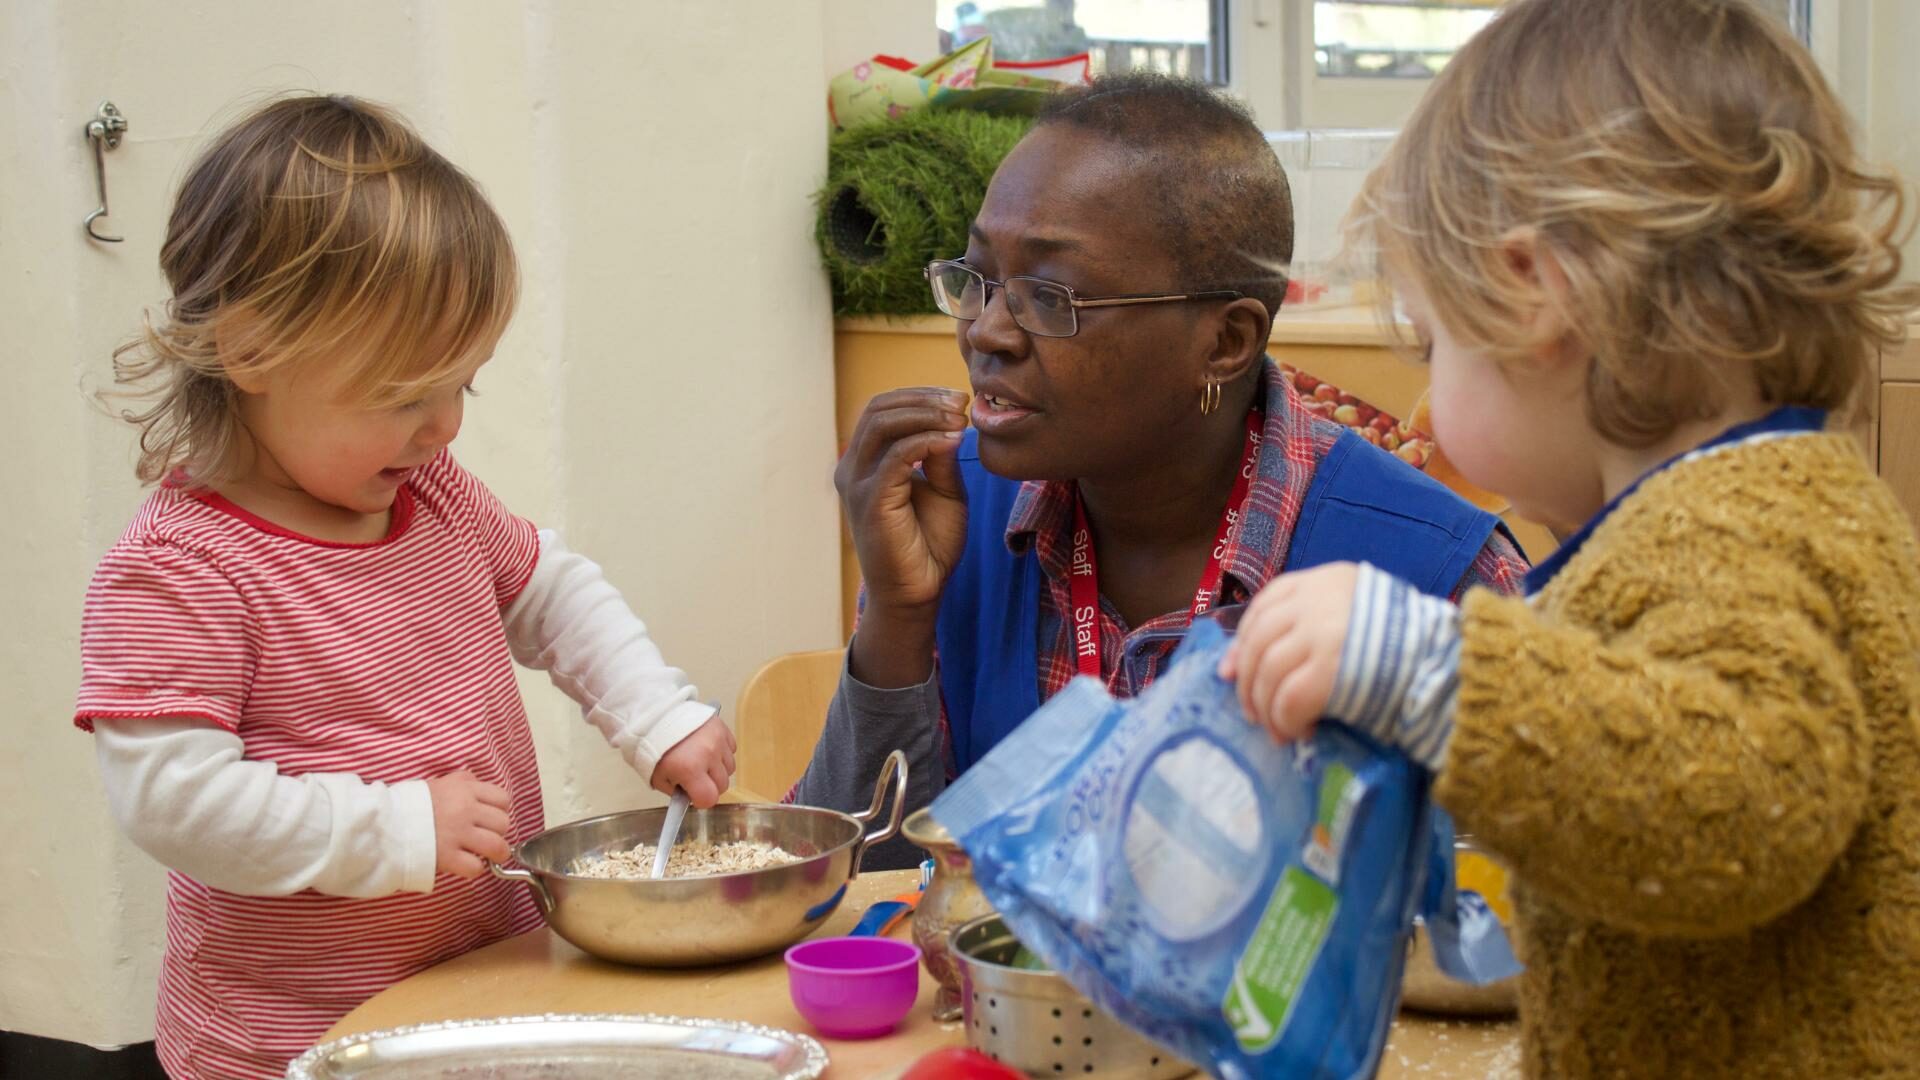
(1897, 424)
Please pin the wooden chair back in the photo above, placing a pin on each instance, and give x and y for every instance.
(783, 709)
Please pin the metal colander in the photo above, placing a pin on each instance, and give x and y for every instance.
(1038, 1023)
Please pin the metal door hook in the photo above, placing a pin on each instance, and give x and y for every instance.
(104, 132)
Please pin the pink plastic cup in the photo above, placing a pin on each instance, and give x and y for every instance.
(853, 987)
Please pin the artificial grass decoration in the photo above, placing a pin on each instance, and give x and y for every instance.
(901, 194)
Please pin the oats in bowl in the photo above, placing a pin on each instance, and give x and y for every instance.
(690, 858)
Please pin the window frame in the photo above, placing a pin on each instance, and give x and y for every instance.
(1263, 52)
(1270, 65)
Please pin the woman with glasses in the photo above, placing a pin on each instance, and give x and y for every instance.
(1130, 458)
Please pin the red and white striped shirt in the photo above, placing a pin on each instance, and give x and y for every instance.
(388, 661)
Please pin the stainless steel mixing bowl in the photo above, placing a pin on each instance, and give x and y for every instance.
(696, 921)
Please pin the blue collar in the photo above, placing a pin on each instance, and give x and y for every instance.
(1791, 418)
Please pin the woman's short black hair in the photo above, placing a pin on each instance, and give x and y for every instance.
(1221, 195)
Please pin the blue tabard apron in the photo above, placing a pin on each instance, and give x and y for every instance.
(1363, 506)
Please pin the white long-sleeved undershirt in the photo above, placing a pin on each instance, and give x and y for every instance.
(184, 791)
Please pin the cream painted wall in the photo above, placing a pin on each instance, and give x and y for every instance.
(853, 30)
(664, 398)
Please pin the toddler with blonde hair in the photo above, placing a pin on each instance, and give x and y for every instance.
(298, 660)
(1647, 265)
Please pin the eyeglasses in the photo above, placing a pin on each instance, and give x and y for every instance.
(1038, 306)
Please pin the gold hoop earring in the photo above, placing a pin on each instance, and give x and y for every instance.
(1210, 397)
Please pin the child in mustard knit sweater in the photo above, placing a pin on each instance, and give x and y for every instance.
(1646, 262)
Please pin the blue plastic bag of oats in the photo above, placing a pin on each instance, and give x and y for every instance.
(1248, 905)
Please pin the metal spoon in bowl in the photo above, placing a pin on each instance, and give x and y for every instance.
(669, 831)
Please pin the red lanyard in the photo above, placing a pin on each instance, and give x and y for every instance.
(1085, 576)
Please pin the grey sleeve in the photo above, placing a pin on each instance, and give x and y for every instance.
(864, 725)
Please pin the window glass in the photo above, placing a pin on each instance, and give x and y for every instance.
(1173, 36)
(1393, 39)
(1413, 39)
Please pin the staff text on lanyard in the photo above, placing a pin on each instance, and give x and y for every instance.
(1085, 575)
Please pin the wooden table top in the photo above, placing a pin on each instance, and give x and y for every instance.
(537, 972)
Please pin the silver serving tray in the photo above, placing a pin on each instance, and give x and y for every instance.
(567, 1047)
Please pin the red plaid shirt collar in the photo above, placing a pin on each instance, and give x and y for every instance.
(1293, 442)
(1131, 657)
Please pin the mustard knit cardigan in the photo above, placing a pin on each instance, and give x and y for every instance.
(1697, 749)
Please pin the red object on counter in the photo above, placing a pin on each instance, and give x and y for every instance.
(957, 1063)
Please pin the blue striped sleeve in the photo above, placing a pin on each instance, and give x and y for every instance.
(1399, 667)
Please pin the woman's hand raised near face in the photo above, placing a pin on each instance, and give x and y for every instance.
(900, 483)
